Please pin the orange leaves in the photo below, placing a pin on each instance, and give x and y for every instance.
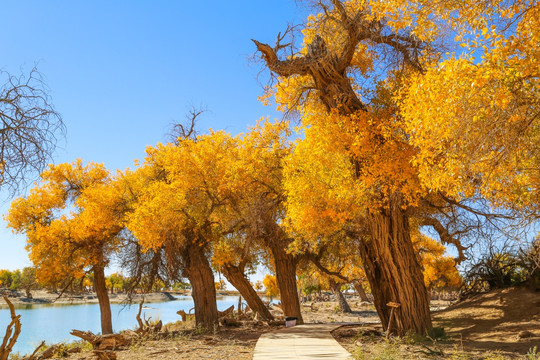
(319, 184)
(71, 220)
(207, 191)
(270, 284)
(224, 253)
(439, 269)
(474, 122)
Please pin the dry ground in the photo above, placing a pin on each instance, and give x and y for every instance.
(483, 327)
(232, 343)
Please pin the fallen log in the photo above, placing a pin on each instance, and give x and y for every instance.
(104, 342)
(226, 312)
(33, 355)
(49, 352)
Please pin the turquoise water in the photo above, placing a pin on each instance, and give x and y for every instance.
(53, 323)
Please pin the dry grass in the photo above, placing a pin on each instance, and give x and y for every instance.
(485, 327)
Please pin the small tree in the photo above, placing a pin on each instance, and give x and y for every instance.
(529, 260)
(72, 221)
(220, 285)
(28, 280)
(439, 270)
(5, 278)
(115, 280)
(15, 280)
(271, 286)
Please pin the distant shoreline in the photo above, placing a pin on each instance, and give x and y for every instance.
(46, 297)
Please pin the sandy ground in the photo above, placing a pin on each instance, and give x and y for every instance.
(487, 326)
(484, 327)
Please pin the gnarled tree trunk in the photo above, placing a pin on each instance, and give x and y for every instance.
(335, 287)
(390, 262)
(394, 273)
(235, 275)
(286, 280)
(360, 290)
(103, 299)
(199, 273)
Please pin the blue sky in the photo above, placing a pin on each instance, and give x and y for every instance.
(120, 72)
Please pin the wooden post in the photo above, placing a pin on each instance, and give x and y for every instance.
(394, 306)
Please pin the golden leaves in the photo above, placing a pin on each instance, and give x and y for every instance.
(199, 189)
(474, 121)
(71, 220)
(439, 269)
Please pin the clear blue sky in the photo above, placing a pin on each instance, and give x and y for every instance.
(120, 72)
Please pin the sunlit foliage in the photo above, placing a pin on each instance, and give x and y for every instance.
(71, 219)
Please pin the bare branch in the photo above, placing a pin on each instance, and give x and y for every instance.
(12, 331)
(446, 237)
(316, 261)
(288, 67)
(29, 126)
(187, 130)
(329, 69)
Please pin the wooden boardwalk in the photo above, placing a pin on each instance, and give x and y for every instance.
(311, 341)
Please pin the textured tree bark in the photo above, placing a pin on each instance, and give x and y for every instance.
(236, 277)
(336, 290)
(286, 279)
(360, 290)
(394, 273)
(199, 273)
(390, 262)
(103, 299)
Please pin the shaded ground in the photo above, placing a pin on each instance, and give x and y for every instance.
(327, 312)
(495, 320)
(486, 326)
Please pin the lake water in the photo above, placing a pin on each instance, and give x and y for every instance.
(53, 323)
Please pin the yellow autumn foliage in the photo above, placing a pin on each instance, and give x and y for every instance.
(439, 270)
(71, 220)
(474, 116)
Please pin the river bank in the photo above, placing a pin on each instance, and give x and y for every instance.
(53, 322)
(489, 326)
(47, 297)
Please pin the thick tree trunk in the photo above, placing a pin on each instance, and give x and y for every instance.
(336, 290)
(198, 271)
(360, 290)
(236, 277)
(286, 280)
(394, 273)
(103, 299)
